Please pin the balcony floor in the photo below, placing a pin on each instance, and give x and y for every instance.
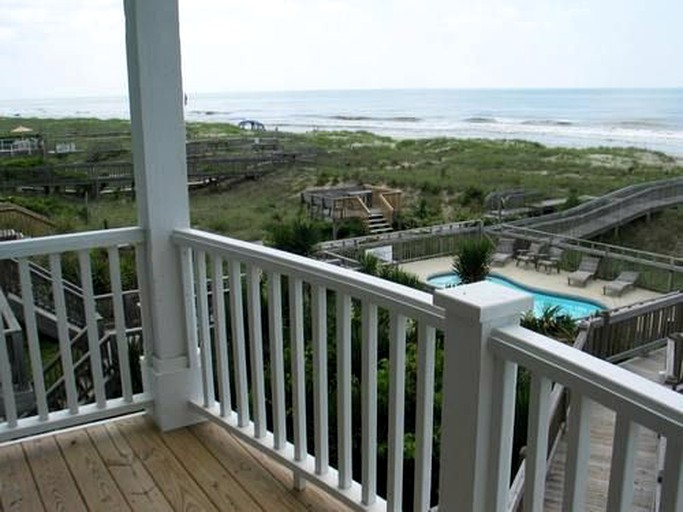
(128, 464)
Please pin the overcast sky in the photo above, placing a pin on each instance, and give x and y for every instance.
(76, 47)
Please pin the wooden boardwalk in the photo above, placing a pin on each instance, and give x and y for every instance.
(602, 432)
(129, 465)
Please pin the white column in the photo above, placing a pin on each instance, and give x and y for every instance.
(158, 132)
(467, 430)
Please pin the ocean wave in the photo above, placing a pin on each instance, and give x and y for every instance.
(641, 123)
(547, 122)
(399, 119)
(210, 112)
(480, 120)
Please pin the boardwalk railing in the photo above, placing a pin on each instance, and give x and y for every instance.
(620, 334)
(76, 360)
(22, 220)
(610, 210)
(407, 245)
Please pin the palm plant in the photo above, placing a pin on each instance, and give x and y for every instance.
(552, 323)
(472, 260)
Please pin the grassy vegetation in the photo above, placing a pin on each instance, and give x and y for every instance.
(659, 234)
(443, 179)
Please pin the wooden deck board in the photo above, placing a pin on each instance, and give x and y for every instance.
(241, 464)
(180, 489)
(54, 480)
(312, 497)
(135, 483)
(94, 481)
(128, 464)
(217, 483)
(18, 491)
(601, 434)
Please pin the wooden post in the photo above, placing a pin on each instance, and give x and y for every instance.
(468, 432)
(158, 137)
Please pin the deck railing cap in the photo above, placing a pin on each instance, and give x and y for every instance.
(483, 301)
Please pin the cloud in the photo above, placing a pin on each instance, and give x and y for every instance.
(77, 47)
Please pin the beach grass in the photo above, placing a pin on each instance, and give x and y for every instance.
(440, 176)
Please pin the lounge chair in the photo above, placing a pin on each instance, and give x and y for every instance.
(587, 269)
(623, 282)
(551, 260)
(531, 254)
(504, 251)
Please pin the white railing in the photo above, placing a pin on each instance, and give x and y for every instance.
(311, 364)
(637, 402)
(275, 307)
(103, 398)
(298, 326)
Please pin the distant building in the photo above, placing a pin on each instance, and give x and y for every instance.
(21, 141)
(376, 206)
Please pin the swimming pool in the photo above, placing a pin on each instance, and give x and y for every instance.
(572, 306)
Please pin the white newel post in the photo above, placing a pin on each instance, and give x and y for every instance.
(470, 434)
(158, 135)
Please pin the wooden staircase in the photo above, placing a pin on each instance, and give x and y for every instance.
(377, 223)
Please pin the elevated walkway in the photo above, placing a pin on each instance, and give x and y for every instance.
(609, 211)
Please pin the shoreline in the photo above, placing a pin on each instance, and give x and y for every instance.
(551, 138)
(650, 119)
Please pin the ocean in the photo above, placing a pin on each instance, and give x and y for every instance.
(644, 118)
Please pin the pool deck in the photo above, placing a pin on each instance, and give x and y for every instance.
(552, 282)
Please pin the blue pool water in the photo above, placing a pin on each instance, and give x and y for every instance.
(574, 307)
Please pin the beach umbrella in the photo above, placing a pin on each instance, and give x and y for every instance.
(21, 129)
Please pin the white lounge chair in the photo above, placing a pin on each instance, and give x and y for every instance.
(587, 269)
(623, 282)
(503, 252)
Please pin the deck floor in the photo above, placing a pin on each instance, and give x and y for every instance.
(602, 433)
(128, 464)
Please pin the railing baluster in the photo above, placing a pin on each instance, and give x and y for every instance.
(537, 443)
(204, 329)
(189, 304)
(672, 485)
(424, 416)
(620, 495)
(120, 322)
(33, 340)
(143, 298)
(6, 379)
(238, 342)
(296, 314)
(256, 350)
(220, 337)
(320, 419)
(502, 426)
(63, 333)
(369, 403)
(397, 382)
(277, 360)
(578, 453)
(92, 330)
(345, 466)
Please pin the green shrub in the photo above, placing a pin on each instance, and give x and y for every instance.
(552, 323)
(472, 260)
(299, 235)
